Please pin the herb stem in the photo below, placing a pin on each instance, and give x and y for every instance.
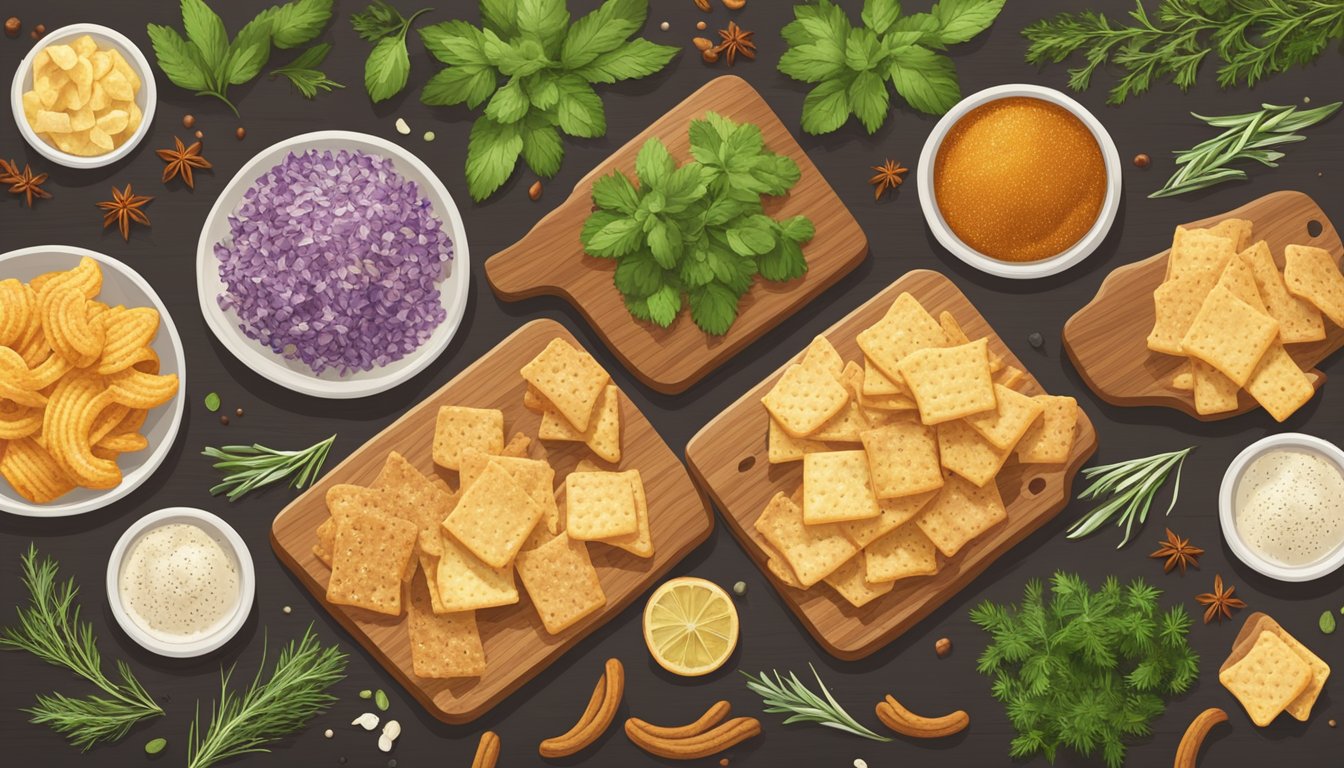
(1131, 487)
(254, 466)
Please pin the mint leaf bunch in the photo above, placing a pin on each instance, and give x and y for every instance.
(208, 63)
(389, 64)
(851, 65)
(697, 233)
(534, 73)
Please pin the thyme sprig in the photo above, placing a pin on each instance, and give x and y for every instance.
(1131, 486)
(788, 694)
(249, 467)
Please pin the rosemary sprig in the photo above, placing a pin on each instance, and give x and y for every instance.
(249, 467)
(50, 629)
(1247, 137)
(269, 710)
(788, 694)
(1131, 486)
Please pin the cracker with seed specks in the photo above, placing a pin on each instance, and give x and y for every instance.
(905, 328)
(878, 384)
(369, 556)
(1213, 392)
(1004, 426)
(639, 543)
(901, 554)
(494, 516)
(850, 583)
(1267, 679)
(811, 551)
(344, 500)
(895, 513)
(820, 355)
(464, 583)
(443, 645)
(1313, 274)
(458, 428)
(1230, 335)
(962, 450)
(961, 512)
(952, 329)
(1175, 304)
(1011, 377)
(536, 477)
(603, 435)
(903, 459)
(560, 578)
(1300, 708)
(950, 382)
(804, 399)
(1299, 321)
(837, 487)
(784, 447)
(534, 401)
(1049, 439)
(1239, 278)
(599, 505)
(1196, 251)
(326, 538)
(416, 498)
(429, 565)
(1279, 385)
(570, 379)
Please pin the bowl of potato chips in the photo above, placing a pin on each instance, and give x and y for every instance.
(91, 375)
(84, 96)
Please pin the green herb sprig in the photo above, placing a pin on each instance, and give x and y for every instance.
(389, 64)
(1131, 486)
(788, 694)
(535, 72)
(851, 66)
(1247, 138)
(303, 72)
(270, 709)
(249, 467)
(1252, 39)
(208, 63)
(1085, 670)
(50, 628)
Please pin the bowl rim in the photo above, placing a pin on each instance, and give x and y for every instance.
(1226, 514)
(136, 59)
(1030, 269)
(214, 526)
(264, 362)
(134, 478)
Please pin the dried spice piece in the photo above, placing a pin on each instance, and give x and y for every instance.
(1178, 553)
(736, 41)
(1220, 602)
(124, 208)
(181, 160)
(889, 176)
(24, 183)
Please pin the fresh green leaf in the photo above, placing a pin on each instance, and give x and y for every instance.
(580, 112)
(298, 22)
(492, 152)
(380, 19)
(468, 84)
(455, 43)
(248, 53)
(785, 262)
(713, 308)
(631, 61)
(925, 79)
(177, 58)
(799, 229)
(664, 305)
(752, 237)
(389, 63)
(205, 30)
(879, 15)
(500, 16)
(869, 100)
(637, 274)
(961, 20)
(614, 192)
(813, 62)
(654, 164)
(826, 106)
(304, 74)
(542, 148)
(602, 31)
(545, 21)
(620, 237)
(386, 69)
(863, 51)
(509, 104)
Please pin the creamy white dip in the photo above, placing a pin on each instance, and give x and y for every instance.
(1289, 506)
(177, 583)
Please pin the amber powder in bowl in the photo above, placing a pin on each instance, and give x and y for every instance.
(1019, 179)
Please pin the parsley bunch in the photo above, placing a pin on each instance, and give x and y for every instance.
(851, 65)
(534, 73)
(697, 230)
(1087, 669)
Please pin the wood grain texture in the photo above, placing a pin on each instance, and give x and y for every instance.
(729, 458)
(549, 260)
(1107, 340)
(516, 645)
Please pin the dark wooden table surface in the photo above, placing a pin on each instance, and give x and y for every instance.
(1156, 123)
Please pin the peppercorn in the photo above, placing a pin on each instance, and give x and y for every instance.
(942, 647)
(12, 26)
(700, 25)
(188, 121)
(1036, 340)
(240, 133)
(534, 191)
(224, 419)
(200, 134)
(1141, 160)
(723, 761)
(238, 412)
(38, 31)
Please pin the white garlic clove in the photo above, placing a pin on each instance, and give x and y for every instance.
(368, 721)
(384, 743)
(392, 730)
(402, 127)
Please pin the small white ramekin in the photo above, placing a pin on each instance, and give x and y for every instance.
(1025, 270)
(233, 546)
(106, 37)
(1227, 496)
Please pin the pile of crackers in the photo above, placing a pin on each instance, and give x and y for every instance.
(1277, 674)
(505, 517)
(1227, 306)
(900, 454)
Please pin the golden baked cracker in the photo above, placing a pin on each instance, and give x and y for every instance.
(415, 497)
(783, 572)
(1011, 377)
(902, 553)
(560, 578)
(895, 513)
(521, 446)
(804, 399)
(1278, 385)
(1199, 250)
(902, 402)
(783, 447)
(429, 565)
(1239, 278)
(905, 328)
(950, 382)
(639, 543)
(1175, 304)
(326, 540)
(1299, 321)
(960, 512)
(599, 505)
(1213, 392)
(902, 459)
(1267, 679)
(876, 383)
(844, 427)
(603, 435)
(1229, 335)
(962, 450)
(1300, 707)
(1313, 274)
(443, 645)
(952, 329)
(369, 556)
(1005, 425)
(1184, 378)
(494, 516)
(820, 355)
(458, 427)
(535, 477)
(464, 583)
(811, 551)
(1049, 439)
(534, 401)
(849, 580)
(837, 487)
(570, 379)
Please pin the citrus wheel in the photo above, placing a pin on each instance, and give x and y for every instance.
(690, 626)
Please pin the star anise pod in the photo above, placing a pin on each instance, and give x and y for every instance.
(1220, 602)
(23, 182)
(736, 41)
(889, 176)
(181, 161)
(124, 208)
(1178, 553)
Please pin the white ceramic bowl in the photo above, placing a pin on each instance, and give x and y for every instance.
(1011, 269)
(147, 99)
(1227, 495)
(233, 546)
(294, 374)
(121, 285)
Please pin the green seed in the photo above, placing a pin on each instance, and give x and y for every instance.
(380, 700)
(740, 588)
(366, 694)
(155, 746)
(1327, 622)
(212, 402)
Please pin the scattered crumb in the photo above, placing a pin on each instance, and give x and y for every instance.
(429, 135)
(664, 26)
(402, 127)
(287, 609)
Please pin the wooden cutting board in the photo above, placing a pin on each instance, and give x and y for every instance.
(1107, 340)
(549, 260)
(729, 458)
(516, 645)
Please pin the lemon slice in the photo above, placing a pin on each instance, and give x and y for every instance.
(690, 626)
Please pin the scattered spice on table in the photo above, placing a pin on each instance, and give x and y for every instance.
(1141, 160)
(740, 588)
(736, 41)
(700, 25)
(38, 32)
(238, 412)
(224, 419)
(1219, 603)
(125, 208)
(155, 746)
(1036, 340)
(212, 402)
(241, 133)
(199, 134)
(188, 121)
(664, 26)
(943, 647)
(1178, 552)
(12, 26)
(24, 183)
(889, 176)
(534, 191)
(181, 160)
(1327, 622)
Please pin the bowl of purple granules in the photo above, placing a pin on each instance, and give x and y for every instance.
(334, 264)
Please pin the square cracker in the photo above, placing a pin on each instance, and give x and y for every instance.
(494, 516)
(850, 581)
(536, 477)
(900, 554)
(344, 500)
(534, 401)
(1267, 679)
(1004, 426)
(1279, 385)
(464, 583)
(902, 459)
(570, 379)
(443, 645)
(639, 543)
(562, 582)
(1175, 304)
(962, 450)
(959, 513)
(905, 328)
(950, 382)
(457, 428)
(804, 399)
(1300, 708)
(1230, 335)
(821, 355)
(1313, 274)
(878, 384)
(1299, 321)
(1213, 392)
(1236, 230)
(416, 498)
(369, 556)
(603, 435)
(1049, 439)
(837, 487)
(811, 551)
(599, 505)
(1200, 250)
(895, 513)
(784, 448)
(1239, 278)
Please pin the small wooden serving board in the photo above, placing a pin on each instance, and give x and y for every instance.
(550, 261)
(730, 459)
(516, 645)
(1107, 340)
(1246, 637)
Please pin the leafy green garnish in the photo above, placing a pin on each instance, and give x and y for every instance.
(788, 694)
(1252, 38)
(534, 72)
(852, 65)
(1131, 486)
(250, 467)
(207, 62)
(1086, 670)
(303, 72)
(697, 230)
(388, 66)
